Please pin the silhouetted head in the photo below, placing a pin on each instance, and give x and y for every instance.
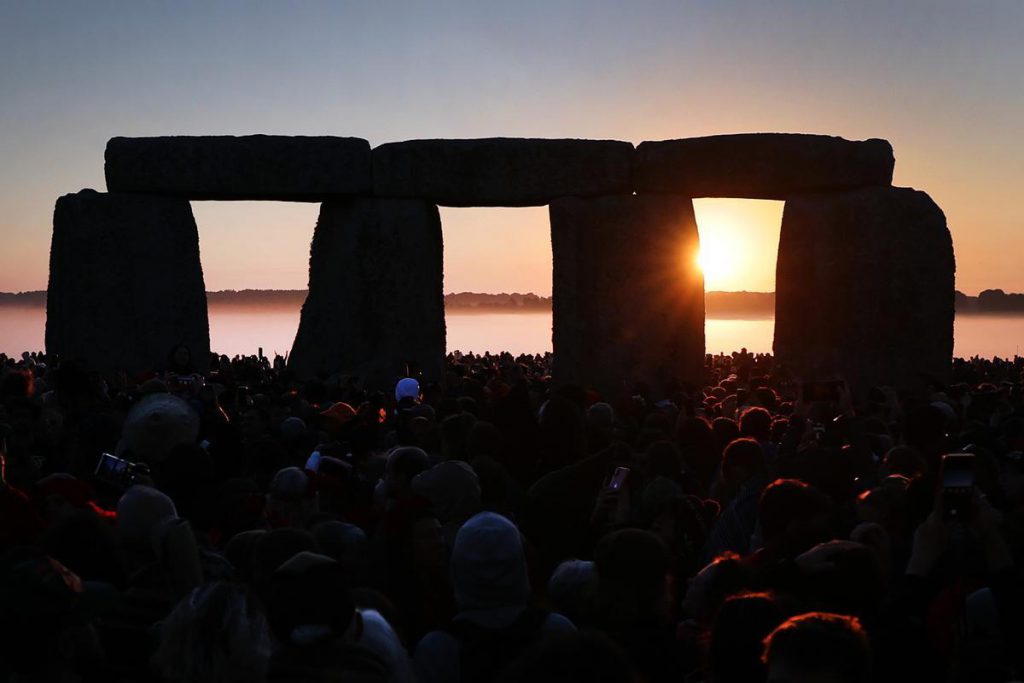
(741, 460)
(818, 646)
(562, 432)
(726, 430)
(756, 423)
(402, 465)
(488, 565)
(905, 461)
(737, 637)
(632, 572)
(308, 600)
(724, 576)
(663, 459)
(273, 548)
(179, 360)
(791, 508)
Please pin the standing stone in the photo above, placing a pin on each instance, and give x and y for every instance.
(628, 294)
(307, 169)
(375, 307)
(126, 285)
(761, 165)
(864, 288)
(501, 171)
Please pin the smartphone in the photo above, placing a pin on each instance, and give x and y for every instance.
(822, 391)
(118, 471)
(742, 397)
(958, 471)
(618, 478)
(111, 468)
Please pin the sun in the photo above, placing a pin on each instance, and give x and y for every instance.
(716, 262)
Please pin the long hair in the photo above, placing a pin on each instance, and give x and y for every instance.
(214, 634)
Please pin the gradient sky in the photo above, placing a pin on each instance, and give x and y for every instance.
(942, 80)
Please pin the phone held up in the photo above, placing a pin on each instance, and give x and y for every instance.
(119, 472)
(618, 478)
(957, 485)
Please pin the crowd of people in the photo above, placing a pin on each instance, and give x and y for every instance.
(235, 524)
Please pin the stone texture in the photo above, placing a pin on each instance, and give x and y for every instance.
(280, 167)
(864, 288)
(761, 165)
(628, 295)
(501, 171)
(376, 299)
(126, 284)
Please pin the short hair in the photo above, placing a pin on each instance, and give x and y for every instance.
(904, 460)
(756, 423)
(742, 454)
(821, 642)
(787, 500)
(405, 462)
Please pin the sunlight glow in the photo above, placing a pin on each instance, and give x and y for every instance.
(715, 262)
(739, 243)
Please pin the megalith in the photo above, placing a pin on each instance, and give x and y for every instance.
(501, 171)
(864, 288)
(257, 167)
(126, 284)
(375, 307)
(628, 293)
(761, 165)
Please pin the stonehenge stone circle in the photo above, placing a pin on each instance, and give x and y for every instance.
(126, 284)
(628, 294)
(864, 272)
(308, 169)
(761, 165)
(375, 297)
(501, 171)
(864, 288)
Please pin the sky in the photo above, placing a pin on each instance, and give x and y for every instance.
(942, 80)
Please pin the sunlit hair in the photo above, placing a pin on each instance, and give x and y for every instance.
(213, 634)
(821, 643)
(756, 423)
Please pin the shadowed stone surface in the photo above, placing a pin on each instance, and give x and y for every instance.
(864, 288)
(761, 165)
(501, 171)
(628, 296)
(126, 284)
(279, 167)
(375, 292)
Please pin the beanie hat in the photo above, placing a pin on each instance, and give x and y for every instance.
(488, 567)
(407, 388)
(293, 428)
(290, 483)
(140, 510)
(452, 488)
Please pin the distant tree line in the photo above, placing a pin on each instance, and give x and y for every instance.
(716, 303)
(990, 301)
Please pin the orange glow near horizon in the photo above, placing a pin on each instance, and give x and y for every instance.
(739, 243)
